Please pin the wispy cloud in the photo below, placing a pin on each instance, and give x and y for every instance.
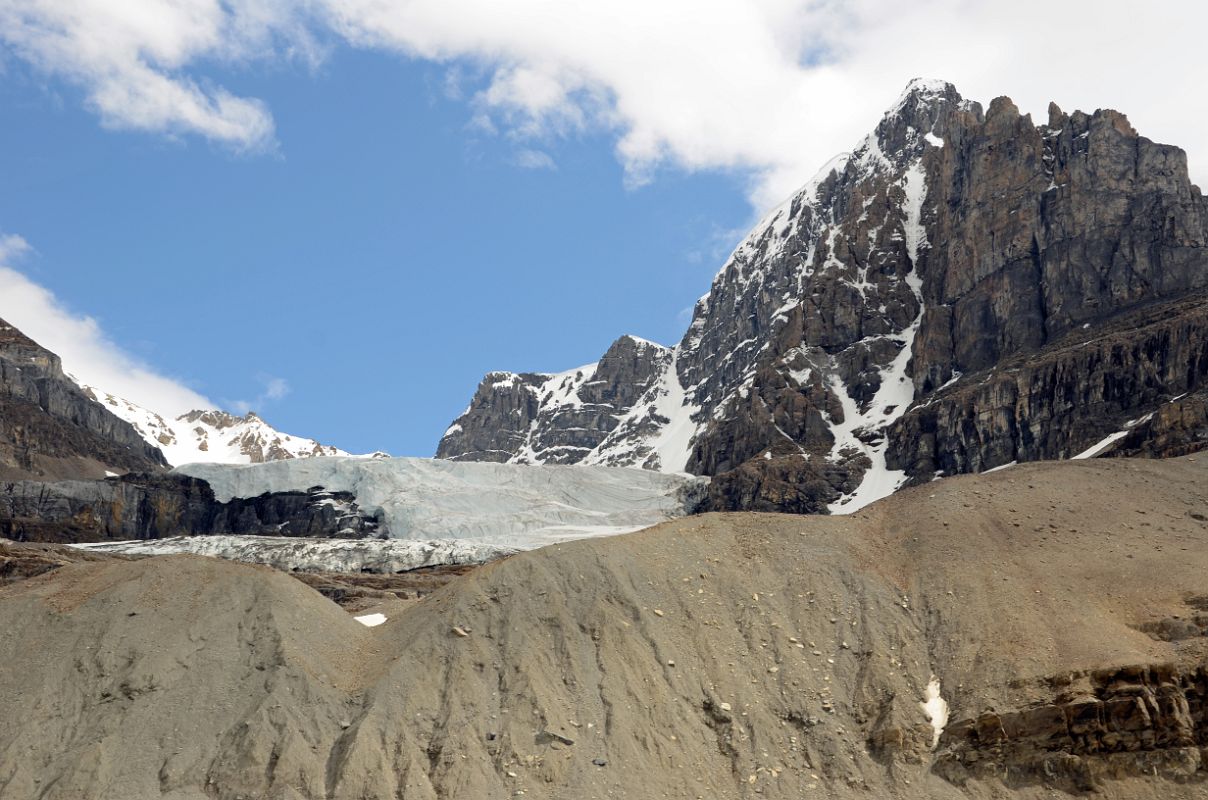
(12, 248)
(715, 245)
(534, 159)
(80, 341)
(273, 389)
(771, 88)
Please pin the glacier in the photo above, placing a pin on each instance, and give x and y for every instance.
(502, 505)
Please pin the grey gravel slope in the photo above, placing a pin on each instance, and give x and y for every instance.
(720, 656)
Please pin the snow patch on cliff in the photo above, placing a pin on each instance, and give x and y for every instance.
(864, 431)
(935, 707)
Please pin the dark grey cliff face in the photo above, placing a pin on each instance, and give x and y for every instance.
(929, 303)
(50, 429)
(163, 505)
(554, 419)
(1140, 377)
(1045, 228)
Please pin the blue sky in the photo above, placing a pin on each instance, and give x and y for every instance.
(380, 260)
(373, 202)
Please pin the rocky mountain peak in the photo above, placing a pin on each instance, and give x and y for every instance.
(947, 242)
(922, 111)
(560, 418)
(214, 418)
(212, 435)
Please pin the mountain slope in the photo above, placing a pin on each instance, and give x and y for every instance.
(49, 428)
(1055, 608)
(948, 243)
(212, 436)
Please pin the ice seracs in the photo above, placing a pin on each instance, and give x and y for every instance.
(299, 554)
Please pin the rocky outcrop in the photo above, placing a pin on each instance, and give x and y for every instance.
(1145, 720)
(532, 418)
(164, 505)
(1176, 428)
(954, 294)
(1117, 377)
(49, 428)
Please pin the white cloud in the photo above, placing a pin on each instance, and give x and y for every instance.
(131, 58)
(771, 88)
(82, 345)
(275, 388)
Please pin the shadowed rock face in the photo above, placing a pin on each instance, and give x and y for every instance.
(159, 506)
(1041, 229)
(50, 429)
(864, 330)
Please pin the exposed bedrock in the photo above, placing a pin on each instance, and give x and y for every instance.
(49, 428)
(1059, 401)
(1099, 725)
(163, 505)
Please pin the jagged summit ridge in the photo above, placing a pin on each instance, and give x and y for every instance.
(559, 418)
(211, 435)
(950, 239)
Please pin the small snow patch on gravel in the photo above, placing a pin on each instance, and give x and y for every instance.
(936, 709)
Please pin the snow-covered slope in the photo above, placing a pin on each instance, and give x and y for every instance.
(502, 504)
(212, 436)
(296, 554)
